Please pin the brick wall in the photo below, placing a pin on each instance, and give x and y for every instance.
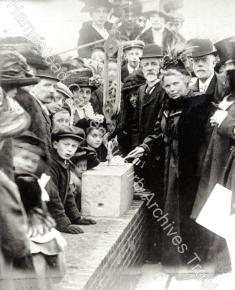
(108, 255)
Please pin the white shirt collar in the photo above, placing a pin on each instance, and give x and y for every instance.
(204, 86)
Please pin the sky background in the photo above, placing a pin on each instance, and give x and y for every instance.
(58, 21)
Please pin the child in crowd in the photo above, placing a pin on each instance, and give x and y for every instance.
(62, 117)
(66, 140)
(46, 243)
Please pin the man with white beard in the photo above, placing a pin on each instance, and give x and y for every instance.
(150, 95)
(149, 102)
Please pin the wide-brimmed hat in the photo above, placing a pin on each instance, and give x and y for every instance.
(13, 119)
(48, 74)
(202, 47)
(226, 49)
(14, 71)
(133, 44)
(82, 77)
(67, 132)
(25, 47)
(133, 81)
(63, 89)
(152, 51)
(92, 5)
(29, 141)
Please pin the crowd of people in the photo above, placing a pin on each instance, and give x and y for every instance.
(175, 124)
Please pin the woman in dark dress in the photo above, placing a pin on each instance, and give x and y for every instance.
(179, 129)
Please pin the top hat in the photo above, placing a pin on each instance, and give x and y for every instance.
(67, 132)
(202, 47)
(92, 5)
(226, 49)
(133, 44)
(27, 49)
(152, 51)
(14, 71)
(133, 81)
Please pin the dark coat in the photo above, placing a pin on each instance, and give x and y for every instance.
(62, 204)
(87, 34)
(216, 160)
(145, 116)
(179, 128)
(40, 124)
(168, 38)
(15, 250)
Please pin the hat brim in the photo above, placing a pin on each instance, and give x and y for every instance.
(205, 53)
(65, 94)
(69, 135)
(151, 56)
(47, 77)
(132, 87)
(19, 82)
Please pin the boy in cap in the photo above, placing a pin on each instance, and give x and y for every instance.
(62, 117)
(62, 205)
(133, 50)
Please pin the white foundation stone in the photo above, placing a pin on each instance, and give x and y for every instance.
(107, 191)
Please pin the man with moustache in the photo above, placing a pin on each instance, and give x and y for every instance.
(148, 104)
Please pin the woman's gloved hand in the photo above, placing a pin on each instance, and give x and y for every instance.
(84, 221)
(71, 229)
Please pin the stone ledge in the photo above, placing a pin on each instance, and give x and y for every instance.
(98, 258)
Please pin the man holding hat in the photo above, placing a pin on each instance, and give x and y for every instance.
(133, 50)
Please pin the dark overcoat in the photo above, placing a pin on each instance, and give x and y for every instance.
(87, 34)
(146, 112)
(62, 204)
(179, 128)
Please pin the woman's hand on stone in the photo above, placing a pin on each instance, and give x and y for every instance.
(137, 152)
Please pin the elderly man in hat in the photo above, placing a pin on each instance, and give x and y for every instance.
(95, 29)
(133, 50)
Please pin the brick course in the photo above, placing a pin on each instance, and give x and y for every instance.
(108, 255)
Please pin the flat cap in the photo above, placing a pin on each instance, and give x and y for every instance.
(68, 132)
(133, 44)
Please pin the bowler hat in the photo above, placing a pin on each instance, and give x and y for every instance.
(14, 71)
(27, 49)
(133, 81)
(67, 132)
(63, 89)
(133, 44)
(150, 7)
(226, 49)
(202, 47)
(152, 51)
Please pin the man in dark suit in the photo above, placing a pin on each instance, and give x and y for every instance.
(133, 50)
(150, 95)
(213, 85)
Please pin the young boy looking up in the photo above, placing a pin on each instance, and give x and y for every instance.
(62, 205)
